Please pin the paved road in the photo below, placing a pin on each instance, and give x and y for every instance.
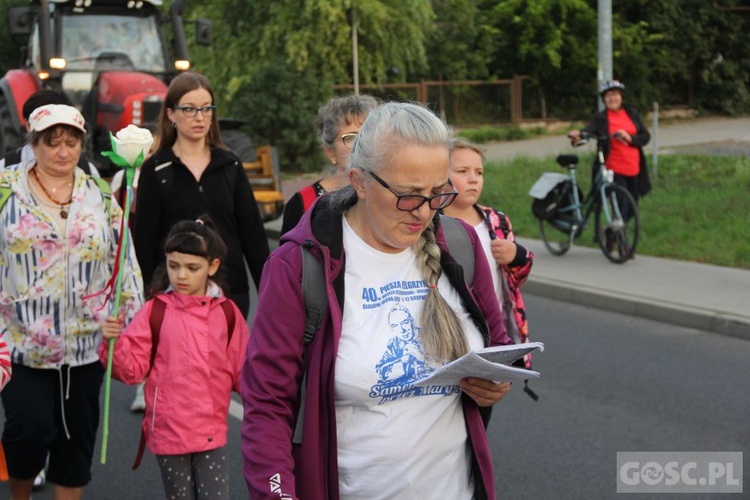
(610, 383)
(668, 138)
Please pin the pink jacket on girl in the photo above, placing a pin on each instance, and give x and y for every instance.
(189, 387)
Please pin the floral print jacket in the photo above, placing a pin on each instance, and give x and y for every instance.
(50, 311)
(516, 272)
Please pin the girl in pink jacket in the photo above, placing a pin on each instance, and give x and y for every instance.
(190, 340)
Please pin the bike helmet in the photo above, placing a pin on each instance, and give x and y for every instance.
(611, 85)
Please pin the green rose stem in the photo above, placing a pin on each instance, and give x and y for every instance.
(129, 174)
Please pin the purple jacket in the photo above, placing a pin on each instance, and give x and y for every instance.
(276, 358)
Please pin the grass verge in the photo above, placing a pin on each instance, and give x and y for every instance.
(698, 210)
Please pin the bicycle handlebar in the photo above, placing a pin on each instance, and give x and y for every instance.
(588, 136)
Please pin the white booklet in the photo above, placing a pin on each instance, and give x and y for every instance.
(491, 363)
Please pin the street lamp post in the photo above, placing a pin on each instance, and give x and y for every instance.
(355, 52)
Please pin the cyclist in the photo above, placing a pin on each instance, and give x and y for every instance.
(626, 135)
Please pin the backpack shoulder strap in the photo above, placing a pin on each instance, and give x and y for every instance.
(105, 189)
(5, 193)
(12, 157)
(228, 309)
(503, 223)
(460, 245)
(313, 283)
(155, 320)
(308, 195)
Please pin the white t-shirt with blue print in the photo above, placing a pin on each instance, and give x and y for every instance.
(395, 440)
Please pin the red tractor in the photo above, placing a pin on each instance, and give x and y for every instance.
(112, 59)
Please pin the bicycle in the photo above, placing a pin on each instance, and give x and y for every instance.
(563, 215)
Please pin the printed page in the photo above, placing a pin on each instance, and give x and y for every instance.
(507, 354)
(476, 364)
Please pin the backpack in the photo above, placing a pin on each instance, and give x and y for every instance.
(316, 303)
(155, 320)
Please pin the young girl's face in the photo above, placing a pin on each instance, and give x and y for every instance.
(188, 274)
(467, 174)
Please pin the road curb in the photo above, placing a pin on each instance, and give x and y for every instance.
(664, 311)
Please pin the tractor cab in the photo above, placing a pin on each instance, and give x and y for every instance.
(111, 58)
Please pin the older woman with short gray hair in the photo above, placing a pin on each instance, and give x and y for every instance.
(338, 123)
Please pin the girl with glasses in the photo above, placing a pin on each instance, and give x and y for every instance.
(338, 123)
(398, 308)
(193, 173)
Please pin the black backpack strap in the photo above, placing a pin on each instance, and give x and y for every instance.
(503, 223)
(313, 283)
(316, 302)
(12, 157)
(459, 245)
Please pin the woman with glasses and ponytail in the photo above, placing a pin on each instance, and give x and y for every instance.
(398, 308)
(338, 123)
(193, 173)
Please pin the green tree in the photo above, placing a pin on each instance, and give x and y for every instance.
(280, 104)
(552, 42)
(461, 44)
(702, 56)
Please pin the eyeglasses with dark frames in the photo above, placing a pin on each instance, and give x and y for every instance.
(348, 140)
(191, 111)
(409, 202)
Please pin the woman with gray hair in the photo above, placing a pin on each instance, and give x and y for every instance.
(398, 308)
(338, 123)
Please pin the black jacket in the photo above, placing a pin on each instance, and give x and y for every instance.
(227, 199)
(600, 126)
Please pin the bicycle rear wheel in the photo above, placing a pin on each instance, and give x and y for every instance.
(617, 224)
(555, 238)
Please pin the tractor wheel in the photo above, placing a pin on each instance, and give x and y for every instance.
(10, 138)
(239, 142)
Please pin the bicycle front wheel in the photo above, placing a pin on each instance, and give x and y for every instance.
(617, 224)
(555, 235)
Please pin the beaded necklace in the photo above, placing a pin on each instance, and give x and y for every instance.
(63, 204)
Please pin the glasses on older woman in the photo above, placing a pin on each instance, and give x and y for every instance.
(409, 202)
(348, 140)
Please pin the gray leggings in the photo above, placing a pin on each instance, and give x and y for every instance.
(195, 475)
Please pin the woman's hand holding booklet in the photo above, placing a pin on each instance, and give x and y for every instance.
(491, 363)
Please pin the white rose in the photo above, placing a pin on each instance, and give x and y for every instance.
(131, 142)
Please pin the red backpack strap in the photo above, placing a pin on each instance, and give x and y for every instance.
(228, 308)
(309, 195)
(155, 320)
